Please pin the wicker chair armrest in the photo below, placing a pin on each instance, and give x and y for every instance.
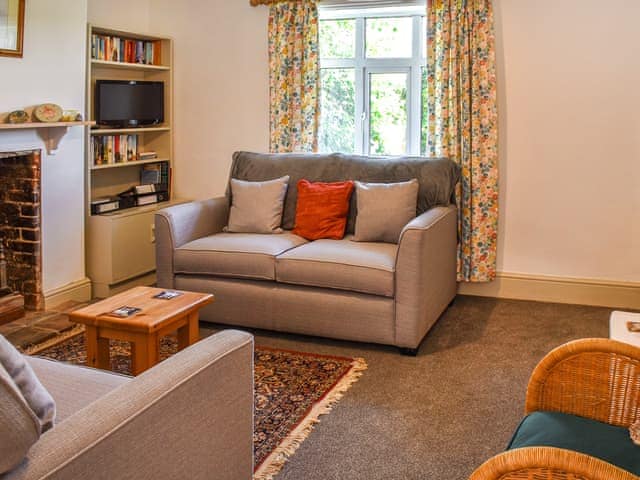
(548, 463)
(595, 378)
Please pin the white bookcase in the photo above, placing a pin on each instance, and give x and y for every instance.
(120, 245)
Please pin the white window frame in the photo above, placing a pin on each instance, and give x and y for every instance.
(364, 66)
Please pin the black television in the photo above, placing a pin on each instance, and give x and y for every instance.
(129, 103)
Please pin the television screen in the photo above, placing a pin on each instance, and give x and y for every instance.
(129, 102)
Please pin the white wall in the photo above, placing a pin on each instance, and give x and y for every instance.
(127, 15)
(569, 138)
(221, 87)
(52, 70)
(569, 128)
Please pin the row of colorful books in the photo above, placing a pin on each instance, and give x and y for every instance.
(110, 149)
(118, 49)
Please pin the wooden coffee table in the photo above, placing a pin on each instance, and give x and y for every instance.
(156, 318)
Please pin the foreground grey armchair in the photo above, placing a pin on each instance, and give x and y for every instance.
(364, 291)
(191, 416)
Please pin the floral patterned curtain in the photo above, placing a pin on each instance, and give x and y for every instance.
(463, 122)
(294, 76)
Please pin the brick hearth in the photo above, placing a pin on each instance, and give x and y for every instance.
(20, 185)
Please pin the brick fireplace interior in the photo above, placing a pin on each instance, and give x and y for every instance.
(20, 232)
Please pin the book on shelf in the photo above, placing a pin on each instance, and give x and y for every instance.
(147, 155)
(146, 200)
(135, 196)
(152, 198)
(110, 149)
(140, 195)
(104, 205)
(144, 189)
(156, 174)
(125, 50)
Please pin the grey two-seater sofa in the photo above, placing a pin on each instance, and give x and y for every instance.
(372, 292)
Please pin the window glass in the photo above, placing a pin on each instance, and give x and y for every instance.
(389, 37)
(337, 112)
(388, 113)
(423, 37)
(373, 84)
(337, 38)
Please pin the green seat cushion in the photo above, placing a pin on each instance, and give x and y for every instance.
(601, 440)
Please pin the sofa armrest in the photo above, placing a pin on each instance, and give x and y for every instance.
(180, 224)
(425, 273)
(191, 416)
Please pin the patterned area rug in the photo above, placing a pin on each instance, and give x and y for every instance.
(292, 389)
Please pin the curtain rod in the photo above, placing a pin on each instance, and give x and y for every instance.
(347, 3)
(255, 3)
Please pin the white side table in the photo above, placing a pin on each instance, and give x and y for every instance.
(618, 327)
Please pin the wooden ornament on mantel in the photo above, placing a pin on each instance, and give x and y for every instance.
(47, 113)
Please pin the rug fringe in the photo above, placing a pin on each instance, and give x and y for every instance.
(277, 459)
(61, 337)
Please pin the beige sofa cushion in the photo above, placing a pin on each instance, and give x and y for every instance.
(74, 387)
(256, 207)
(384, 209)
(342, 264)
(241, 255)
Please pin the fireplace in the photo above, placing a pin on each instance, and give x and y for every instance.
(20, 231)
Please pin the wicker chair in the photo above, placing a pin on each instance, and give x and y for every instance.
(592, 378)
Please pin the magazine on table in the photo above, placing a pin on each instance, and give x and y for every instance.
(125, 311)
(167, 294)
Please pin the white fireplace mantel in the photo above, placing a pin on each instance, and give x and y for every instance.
(50, 133)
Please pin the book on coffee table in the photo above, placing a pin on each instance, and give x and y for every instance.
(125, 311)
(167, 294)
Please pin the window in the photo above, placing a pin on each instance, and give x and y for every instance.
(372, 76)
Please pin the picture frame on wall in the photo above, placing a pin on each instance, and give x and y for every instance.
(11, 27)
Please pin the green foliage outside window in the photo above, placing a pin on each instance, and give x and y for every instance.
(388, 107)
(337, 111)
(389, 37)
(385, 38)
(337, 38)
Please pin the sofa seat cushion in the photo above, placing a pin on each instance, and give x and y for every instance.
(561, 430)
(240, 255)
(361, 267)
(74, 387)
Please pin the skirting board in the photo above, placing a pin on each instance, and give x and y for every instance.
(547, 288)
(103, 290)
(79, 291)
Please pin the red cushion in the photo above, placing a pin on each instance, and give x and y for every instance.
(322, 209)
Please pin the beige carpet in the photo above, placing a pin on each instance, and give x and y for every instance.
(439, 415)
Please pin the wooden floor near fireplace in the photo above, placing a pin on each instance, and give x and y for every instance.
(11, 307)
(38, 326)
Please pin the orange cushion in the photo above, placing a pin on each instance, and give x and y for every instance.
(322, 209)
